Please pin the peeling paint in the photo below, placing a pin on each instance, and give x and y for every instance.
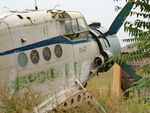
(45, 30)
(77, 68)
(70, 70)
(35, 78)
(50, 75)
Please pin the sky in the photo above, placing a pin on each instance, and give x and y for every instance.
(102, 11)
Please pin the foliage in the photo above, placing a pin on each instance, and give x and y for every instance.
(139, 29)
(101, 88)
(143, 83)
(18, 102)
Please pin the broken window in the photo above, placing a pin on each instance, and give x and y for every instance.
(68, 26)
(75, 26)
(82, 24)
(62, 23)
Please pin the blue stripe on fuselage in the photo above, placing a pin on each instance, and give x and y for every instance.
(51, 41)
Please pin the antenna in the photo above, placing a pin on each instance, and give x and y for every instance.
(7, 8)
(35, 3)
(56, 6)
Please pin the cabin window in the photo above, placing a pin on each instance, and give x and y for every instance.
(22, 59)
(82, 24)
(34, 55)
(75, 26)
(58, 51)
(46, 54)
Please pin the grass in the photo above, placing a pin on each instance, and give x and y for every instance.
(23, 102)
(101, 88)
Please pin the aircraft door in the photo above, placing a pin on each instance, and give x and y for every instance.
(80, 41)
(76, 31)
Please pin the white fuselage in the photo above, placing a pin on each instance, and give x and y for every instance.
(37, 50)
(75, 62)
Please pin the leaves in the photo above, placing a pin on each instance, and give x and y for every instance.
(143, 83)
(143, 5)
(139, 28)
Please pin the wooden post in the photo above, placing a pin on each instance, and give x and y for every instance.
(117, 76)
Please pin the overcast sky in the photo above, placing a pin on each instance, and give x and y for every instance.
(94, 10)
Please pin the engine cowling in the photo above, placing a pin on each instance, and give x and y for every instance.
(99, 61)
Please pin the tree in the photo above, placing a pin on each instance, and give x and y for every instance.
(139, 28)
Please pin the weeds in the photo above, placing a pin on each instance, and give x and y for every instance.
(100, 86)
(18, 102)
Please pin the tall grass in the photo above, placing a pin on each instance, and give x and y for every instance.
(100, 86)
(18, 102)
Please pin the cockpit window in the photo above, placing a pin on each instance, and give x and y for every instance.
(62, 23)
(82, 24)
(68, 26)
(71, 26)
(75, 26)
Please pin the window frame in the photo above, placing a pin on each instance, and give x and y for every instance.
(73, 35)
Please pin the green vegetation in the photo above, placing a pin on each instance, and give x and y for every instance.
(139, 29)
(101, 87)
(18, 102)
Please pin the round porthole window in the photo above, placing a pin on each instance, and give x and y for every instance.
(46, 53)
(22, 59)
(34, 56)
(58, 51)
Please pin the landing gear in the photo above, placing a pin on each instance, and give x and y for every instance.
(73, 103)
